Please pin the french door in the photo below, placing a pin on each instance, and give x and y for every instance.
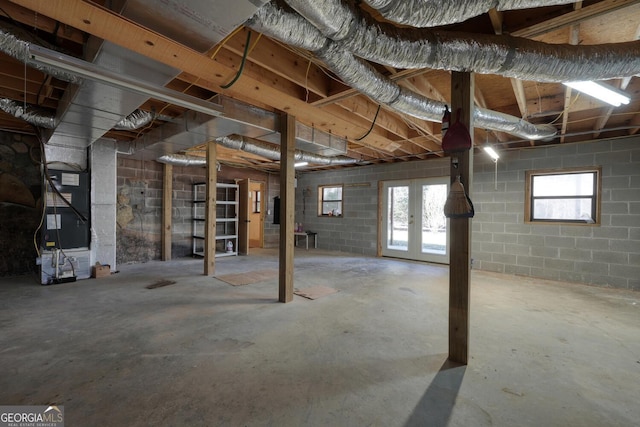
(413, 222)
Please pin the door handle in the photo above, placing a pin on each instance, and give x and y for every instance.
(247, 220)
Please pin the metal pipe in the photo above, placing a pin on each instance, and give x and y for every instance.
(434, 13)
(366, 79)
(481, 53)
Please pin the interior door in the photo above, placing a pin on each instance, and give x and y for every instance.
(256, 214)
(414, 226)
(243, 216)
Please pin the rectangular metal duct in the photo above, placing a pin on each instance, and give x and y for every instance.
(239, 118)
(199, 24)
(91, 109)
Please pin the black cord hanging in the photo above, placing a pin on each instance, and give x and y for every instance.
(373, 123)
(244, 59)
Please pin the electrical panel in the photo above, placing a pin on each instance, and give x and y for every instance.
(66, 222)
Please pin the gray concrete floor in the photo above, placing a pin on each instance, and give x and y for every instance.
(203, 353)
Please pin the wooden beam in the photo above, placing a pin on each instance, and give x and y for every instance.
(497, 20)
(210, 211)
(108, 25)
(167, 196)
(462, 90)
(574, 17)
(287, 206)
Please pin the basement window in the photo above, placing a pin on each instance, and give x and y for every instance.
(566, 196)
(330, 200)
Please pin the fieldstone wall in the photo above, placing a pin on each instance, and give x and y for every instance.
(20, 203)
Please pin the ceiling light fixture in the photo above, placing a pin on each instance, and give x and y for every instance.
(491, 152)
(601, 91)
(90, 71)
(300, 164)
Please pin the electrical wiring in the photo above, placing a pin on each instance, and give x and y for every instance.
(242, 62)
(373, 123)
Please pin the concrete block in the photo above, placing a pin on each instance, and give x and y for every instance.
(545, 251)
(619, 208)
(560, 242)
(504, 258)
(492, 227)
(575, 254)
(547, 163)
(559, 264)
(517, 270)
(611, 257)
(504, 238)
(592, 243)
(613, 157)
(628, 271)
(492, 247)
(531, 240)
(576, 230)
(611, 232)
(530, 261)
(516, 249)
(579, 160)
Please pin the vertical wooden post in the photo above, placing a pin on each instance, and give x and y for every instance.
(210, 211)
(167, 195)
(287, 206)
(462, 90)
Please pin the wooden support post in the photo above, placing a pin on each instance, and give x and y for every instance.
(210, 212)
(287, 206)
(167, 195)
(460, 259)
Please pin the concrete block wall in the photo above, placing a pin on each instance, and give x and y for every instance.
(605, 255)
(356, 231)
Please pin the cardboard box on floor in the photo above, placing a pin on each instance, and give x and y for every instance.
(99, 270)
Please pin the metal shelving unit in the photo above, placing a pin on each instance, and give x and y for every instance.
(226, 219)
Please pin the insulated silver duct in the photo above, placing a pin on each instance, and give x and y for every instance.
(182, 160)
(272, 151)
(434, 13)
(17, 48)
(135, 120)
(486, 54)
(365, 78)
(30, 114)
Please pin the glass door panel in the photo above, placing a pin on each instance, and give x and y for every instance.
(398, 218)
(414, 226)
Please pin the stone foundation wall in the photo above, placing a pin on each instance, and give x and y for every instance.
(20, 203)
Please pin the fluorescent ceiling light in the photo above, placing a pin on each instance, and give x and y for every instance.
(300, 164)
(601, 91)
(90, 71)
(491, 152)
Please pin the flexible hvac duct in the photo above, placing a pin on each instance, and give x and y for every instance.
(30, 114)
(287, 27)
(135, 120)
(182, 160)
(13, 46)
(481, 53)
(433, 13)
(272, 151)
